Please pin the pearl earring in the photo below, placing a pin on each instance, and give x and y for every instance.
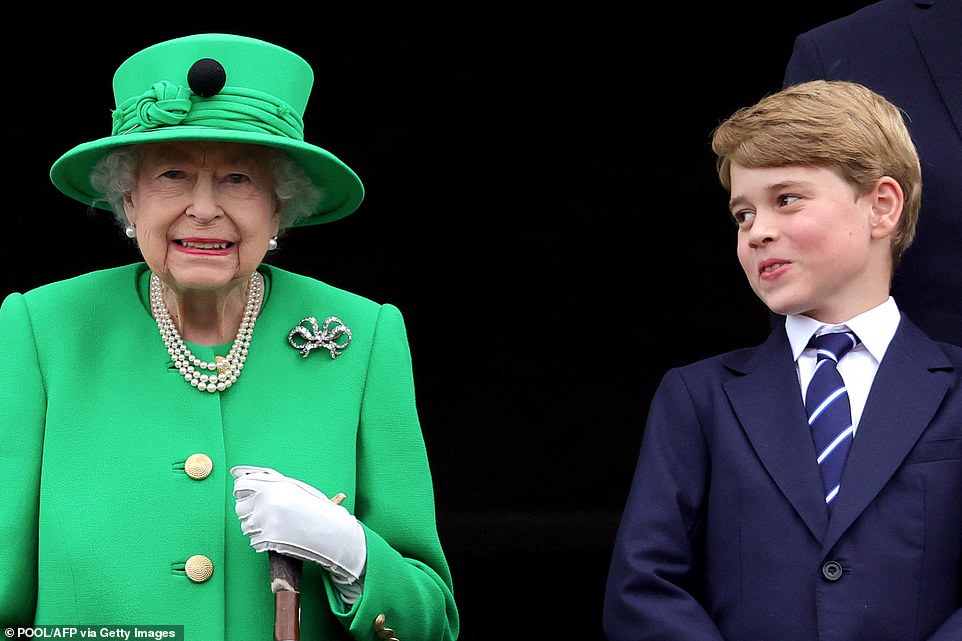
(272, 244)
(130, 231)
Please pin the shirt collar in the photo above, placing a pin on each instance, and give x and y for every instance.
(875, 328)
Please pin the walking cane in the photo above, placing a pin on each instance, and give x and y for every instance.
(286, 586)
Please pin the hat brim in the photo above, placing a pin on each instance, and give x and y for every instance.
(341, 188)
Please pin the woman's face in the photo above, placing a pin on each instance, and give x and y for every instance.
(204, 212)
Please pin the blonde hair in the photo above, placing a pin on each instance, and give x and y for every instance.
(827, 123)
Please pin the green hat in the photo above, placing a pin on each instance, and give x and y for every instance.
(216, 87)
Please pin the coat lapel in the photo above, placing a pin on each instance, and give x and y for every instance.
(905, 395)
(767, 400)
(938, 32)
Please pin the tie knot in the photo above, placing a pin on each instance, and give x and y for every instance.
(834, 346)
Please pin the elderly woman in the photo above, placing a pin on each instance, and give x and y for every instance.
(167, 426)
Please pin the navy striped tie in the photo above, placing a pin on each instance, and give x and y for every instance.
(828, 409)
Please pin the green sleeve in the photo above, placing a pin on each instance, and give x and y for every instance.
(407, 577)
(22, 403)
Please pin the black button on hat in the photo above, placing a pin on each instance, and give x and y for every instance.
(206, 77)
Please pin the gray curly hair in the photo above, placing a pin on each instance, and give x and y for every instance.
(114, 175)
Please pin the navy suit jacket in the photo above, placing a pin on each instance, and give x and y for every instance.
(725, 534)
(911, 53)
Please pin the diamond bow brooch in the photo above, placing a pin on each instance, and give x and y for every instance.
(334, 336)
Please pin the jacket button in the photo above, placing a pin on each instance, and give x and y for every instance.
(199, 568)
(379, 621)
(832, 570)
(198, 466)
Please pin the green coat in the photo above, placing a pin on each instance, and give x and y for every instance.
(98, 516)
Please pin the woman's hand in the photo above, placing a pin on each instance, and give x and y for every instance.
(285, 515)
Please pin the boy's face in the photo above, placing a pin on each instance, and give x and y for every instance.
(809, 244)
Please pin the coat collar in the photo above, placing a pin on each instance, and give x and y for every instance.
(937, 30)
(767, 399)
(907, 391)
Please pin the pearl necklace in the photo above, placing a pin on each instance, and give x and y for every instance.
(194, 370)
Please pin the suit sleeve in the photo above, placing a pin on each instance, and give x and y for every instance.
(22, 403)
(654, 581)
(407, 576)
(805, 62)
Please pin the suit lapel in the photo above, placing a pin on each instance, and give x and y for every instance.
(767, 400)
(938, 32)
(904, 397)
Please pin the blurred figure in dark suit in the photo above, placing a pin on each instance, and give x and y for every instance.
(911, 53)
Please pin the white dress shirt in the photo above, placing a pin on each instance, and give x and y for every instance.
(874, 328)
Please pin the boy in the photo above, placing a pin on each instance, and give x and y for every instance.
(735, 527)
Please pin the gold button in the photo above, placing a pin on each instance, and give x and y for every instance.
(198, 568)
(198, 466)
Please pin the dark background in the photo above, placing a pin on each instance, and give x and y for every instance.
(541, 204)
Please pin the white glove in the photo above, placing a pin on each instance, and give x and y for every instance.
(285, 515)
